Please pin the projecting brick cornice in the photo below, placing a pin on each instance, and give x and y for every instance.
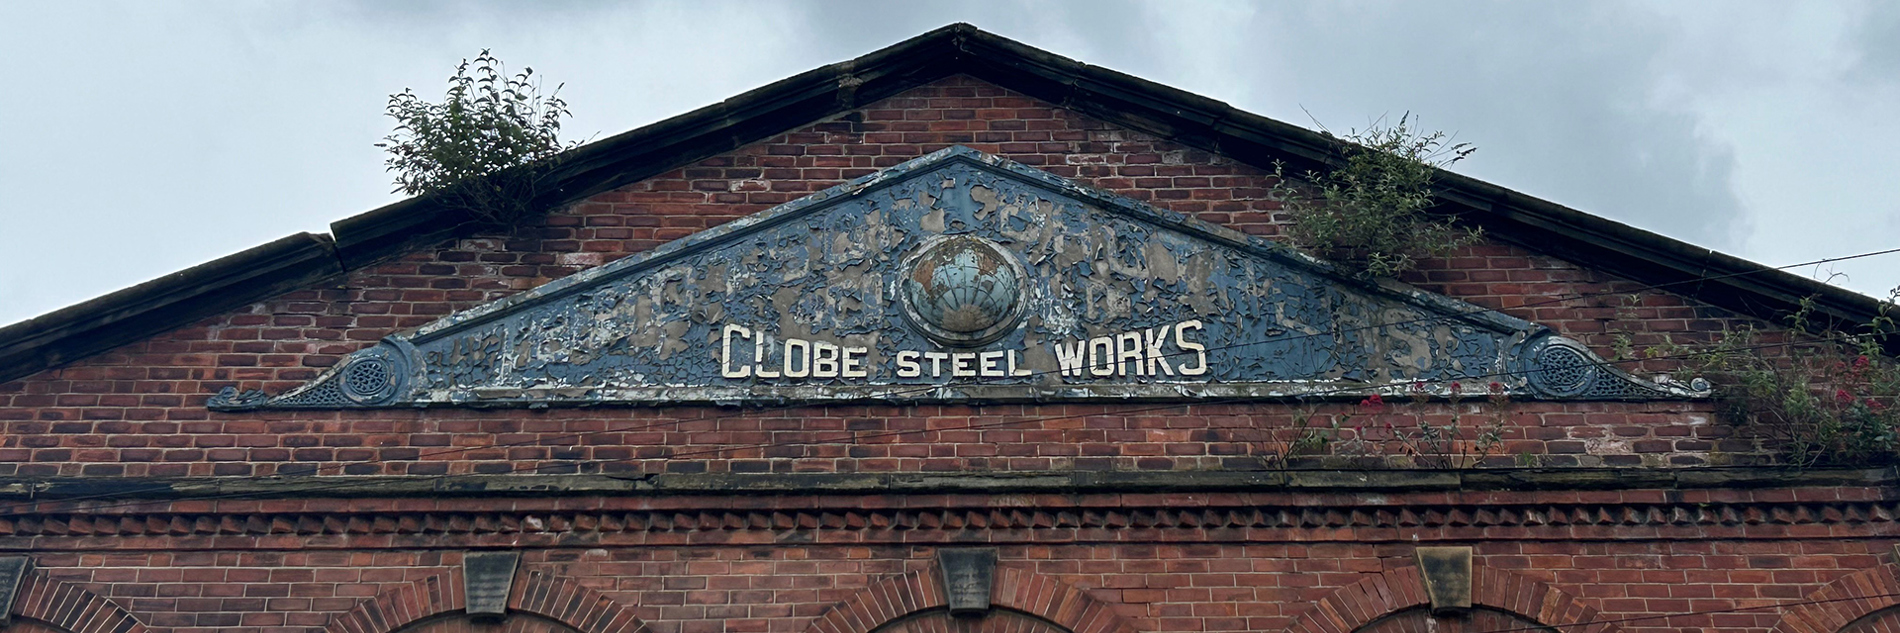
(719, 521)
(1017, 590)
(556, 598)
(1363, 602)
(1064, 482)
(71, 608)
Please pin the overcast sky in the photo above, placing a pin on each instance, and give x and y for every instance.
(140, 138)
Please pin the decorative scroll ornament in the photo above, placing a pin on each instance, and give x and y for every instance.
(368, 378)
(959, 277)
(1558, 368)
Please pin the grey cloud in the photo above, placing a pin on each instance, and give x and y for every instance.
(1877, 40)
(168, 135)
(1558, 97)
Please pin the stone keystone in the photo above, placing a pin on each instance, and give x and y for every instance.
(488, 578)
(968, 575)
(1446, 573)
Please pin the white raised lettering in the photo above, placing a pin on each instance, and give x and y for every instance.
(907, 366)
(854, 362)
(1013, 371)
(797, 349)
(1069, 357)
(1102, 356)
(992, 364)
(1154, 339)
(759, 345)
(725, 351)
(1128, 350)
(963, 365)
(824, 359)
(936, 362)
(1200, 351)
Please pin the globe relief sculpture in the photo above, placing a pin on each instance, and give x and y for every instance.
(962, 291)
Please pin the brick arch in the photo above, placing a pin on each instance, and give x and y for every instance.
(1846, 600)
(1039, 596)
(68, 607)
(1363, 602)
(556, 598)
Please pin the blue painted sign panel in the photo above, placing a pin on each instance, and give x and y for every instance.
(958, 276)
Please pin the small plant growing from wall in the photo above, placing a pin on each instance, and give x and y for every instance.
(485, 149)
(1369, 215)
(1829, 400)
(1377, 434)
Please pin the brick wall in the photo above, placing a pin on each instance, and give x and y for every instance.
(1152, 577)
(1160, 562)
(138, 410)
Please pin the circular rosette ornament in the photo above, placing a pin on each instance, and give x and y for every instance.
(962, 290)
(1560, 368)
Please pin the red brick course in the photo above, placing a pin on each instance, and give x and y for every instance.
(138, 410)
(1046, 600)
(47, 605)
(1863, 602)
(1157, 586)
(1398, 593)
(387, 562)
(784, 564)
(563, 601)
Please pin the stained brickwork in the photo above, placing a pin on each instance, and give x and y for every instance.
(1862, 602)
(1420, 620)
(1005, 622)
(513, 624)
(849, 587)
(1882, 622)
(138, 410)
(839, 565)
(44, 604)
(351, 560)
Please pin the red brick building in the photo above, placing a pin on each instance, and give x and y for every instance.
(1002, 343)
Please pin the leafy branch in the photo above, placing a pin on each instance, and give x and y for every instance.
(485, 148)
(1830, 400)
(1369, 215)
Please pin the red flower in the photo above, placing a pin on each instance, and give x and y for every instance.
(1496, 387)
(1372, 404)
(1843, 396)
(1860, 362)
(1875, 404)
(1456, 388)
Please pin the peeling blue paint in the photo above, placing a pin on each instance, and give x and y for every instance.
(827, 268)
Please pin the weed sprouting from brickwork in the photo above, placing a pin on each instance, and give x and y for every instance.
(1830, 400)
(485, 149)
(1368, 215)
(1380, 434)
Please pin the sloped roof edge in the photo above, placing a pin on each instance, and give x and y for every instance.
(74, 332)
(296, 261)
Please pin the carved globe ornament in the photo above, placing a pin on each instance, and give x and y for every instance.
(962, 290)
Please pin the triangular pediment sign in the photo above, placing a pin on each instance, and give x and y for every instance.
(959, 277)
